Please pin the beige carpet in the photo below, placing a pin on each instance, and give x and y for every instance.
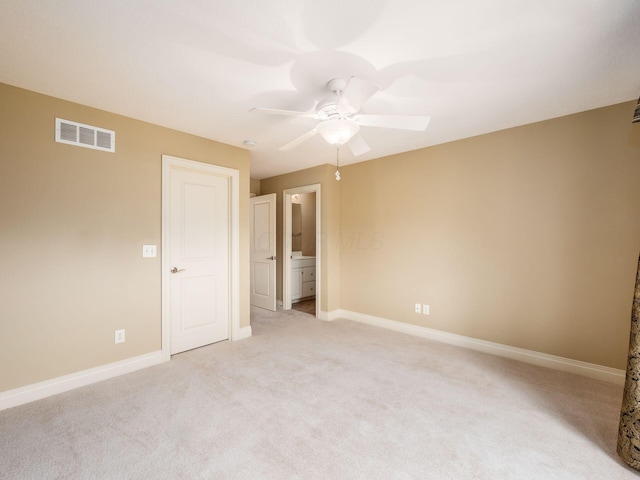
(305, 399)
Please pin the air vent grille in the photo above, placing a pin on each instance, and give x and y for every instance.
(103, 139)
(75, 133)
(68, 132)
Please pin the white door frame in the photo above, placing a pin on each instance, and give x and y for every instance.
(286, 244)
(233, 177)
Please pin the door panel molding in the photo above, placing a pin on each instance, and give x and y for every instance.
(233, 177)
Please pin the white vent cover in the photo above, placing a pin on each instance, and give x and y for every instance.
(75, 133)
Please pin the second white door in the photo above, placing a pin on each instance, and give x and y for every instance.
(263, 251)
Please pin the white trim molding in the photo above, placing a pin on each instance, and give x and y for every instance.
(330, 316)
(578, 367)
(242, 333)
(37, 391)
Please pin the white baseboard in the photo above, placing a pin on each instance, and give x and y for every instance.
(242, 333)
(37, 391)
(330, 316)
(585, 369)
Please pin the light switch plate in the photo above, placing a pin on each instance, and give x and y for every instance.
(149, 251)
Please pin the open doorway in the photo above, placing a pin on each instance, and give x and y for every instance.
(302, 249)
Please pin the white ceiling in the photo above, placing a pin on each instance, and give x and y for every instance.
(200, 66)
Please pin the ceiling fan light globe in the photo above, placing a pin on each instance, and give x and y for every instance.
(337, 131)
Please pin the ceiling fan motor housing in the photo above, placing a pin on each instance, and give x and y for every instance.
(327, 107)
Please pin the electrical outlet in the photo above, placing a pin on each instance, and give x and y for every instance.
(418, 308)
(426, 309)
(119, 336)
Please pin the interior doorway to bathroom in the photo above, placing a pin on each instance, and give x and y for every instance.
(302, 255)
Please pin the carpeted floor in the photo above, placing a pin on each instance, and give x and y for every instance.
(306, 399)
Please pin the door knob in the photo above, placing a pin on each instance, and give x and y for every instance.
(176, 270)
(271, 257)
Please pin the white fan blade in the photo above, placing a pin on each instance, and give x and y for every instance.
(299, 140)
(355, 94)
(401, 122)
(358, 146)
(290, 113)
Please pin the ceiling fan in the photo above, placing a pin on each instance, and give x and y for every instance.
(340, 120)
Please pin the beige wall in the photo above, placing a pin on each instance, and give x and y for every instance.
(330, 204)
(73, 222)
(527, 237)
(254, 186)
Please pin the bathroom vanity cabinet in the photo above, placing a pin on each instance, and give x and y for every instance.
(303, 278)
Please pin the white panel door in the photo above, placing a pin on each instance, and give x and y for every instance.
(199, 259)
(263, 251)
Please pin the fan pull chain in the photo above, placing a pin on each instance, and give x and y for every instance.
(338, 163)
